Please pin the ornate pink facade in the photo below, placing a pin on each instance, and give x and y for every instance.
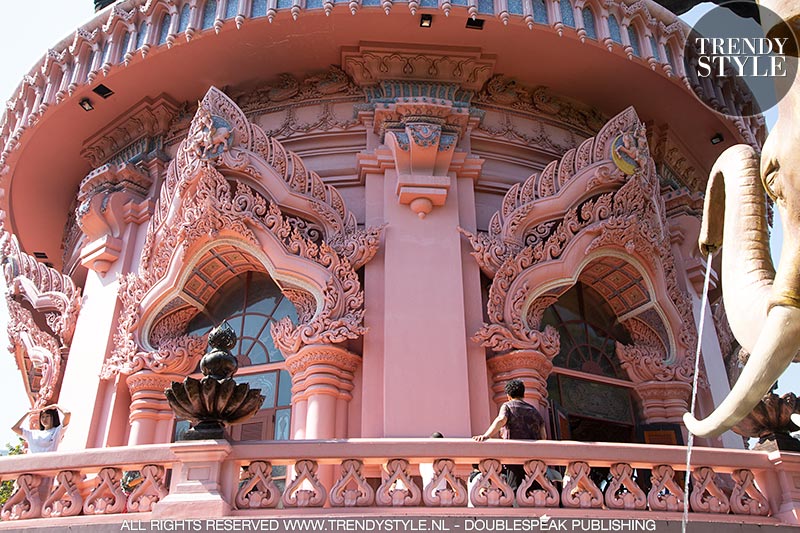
(397, 221)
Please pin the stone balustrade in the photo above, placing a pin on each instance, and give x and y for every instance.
(129, 32)
(369, 477)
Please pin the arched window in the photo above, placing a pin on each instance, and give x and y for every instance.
(588, 385)
(209, 14)
(250, 302)
(540, 12)
(515, 7)
(633, 37)
(613, 29)
(126, 41)
(183, 22)
(670, 60)
(588, 23)
(165, 24)
(141, 34)
(654, 48)
(567, 14)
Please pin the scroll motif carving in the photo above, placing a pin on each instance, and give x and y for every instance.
(623, 492)
(706, 496)
(397, 488)
(259, 491)
(65, 498)
(504, 91)
(547, 496)
(665, 494)
(25, 502)
(492, 489)
(305, 490)
(151, 490)
(580, 491)
(351, 489)
(745, 496)
(445, 489)
(107, 496)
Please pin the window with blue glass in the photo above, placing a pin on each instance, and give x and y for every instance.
(166, 22)
(183, 22)
(613, 29)
(515, 7)
(259, 8)
(141, 33)
(486, 7)
(250, 302)
(567, 14)
(588, 23)
(654, 48)
(231, 9)
(126, 41)
(540, 12)
(668, 53)
(209, 14)
(633, 37)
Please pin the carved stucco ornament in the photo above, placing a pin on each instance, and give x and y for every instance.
(625, 218)
(199, 206)
(43, 306)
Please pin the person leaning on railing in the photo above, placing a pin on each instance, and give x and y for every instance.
(51, 429)
(517, 420)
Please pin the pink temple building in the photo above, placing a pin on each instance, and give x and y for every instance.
(396, 220)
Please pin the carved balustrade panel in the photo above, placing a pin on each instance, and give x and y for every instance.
(351, 489)
(25, 502)
(745, 496)
(491, 490)
(65, 499)
(107, 497)
(259, 490)
(445, 489)
(665, 493)
(580, 491)
(623, 492)
(706, 496)
(546, 496)
(305, 490)
(150, 491)
(397, 488)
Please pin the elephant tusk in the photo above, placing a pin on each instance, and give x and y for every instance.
(772, 353)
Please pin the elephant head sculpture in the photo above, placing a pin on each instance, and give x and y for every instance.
(763, 306)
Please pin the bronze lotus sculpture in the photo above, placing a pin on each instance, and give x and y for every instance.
(215, 401)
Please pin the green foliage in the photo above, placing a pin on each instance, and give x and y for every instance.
(7, 487)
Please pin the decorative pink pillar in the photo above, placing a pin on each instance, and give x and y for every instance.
(322, 382)
(150, 415)
(532, 367)
(664, 401)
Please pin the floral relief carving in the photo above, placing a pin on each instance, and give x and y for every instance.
(151, 490)
(504, 91)
(623, 492)
(580, 491)
(665, 494)
(491, 490)
(107, 496)
(745, 496)
(547, 496)
(351, 489)
(454, 493)
(706, 496)
(25, 502)
(305, 490)
(259, 490)
(397, 488)
(198, 202)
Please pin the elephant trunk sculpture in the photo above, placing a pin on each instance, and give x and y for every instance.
(763, 306)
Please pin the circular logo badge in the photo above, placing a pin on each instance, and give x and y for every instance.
(728, 59)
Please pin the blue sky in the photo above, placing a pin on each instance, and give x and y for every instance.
(24, 40)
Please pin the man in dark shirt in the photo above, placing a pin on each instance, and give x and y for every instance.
(517, 420)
